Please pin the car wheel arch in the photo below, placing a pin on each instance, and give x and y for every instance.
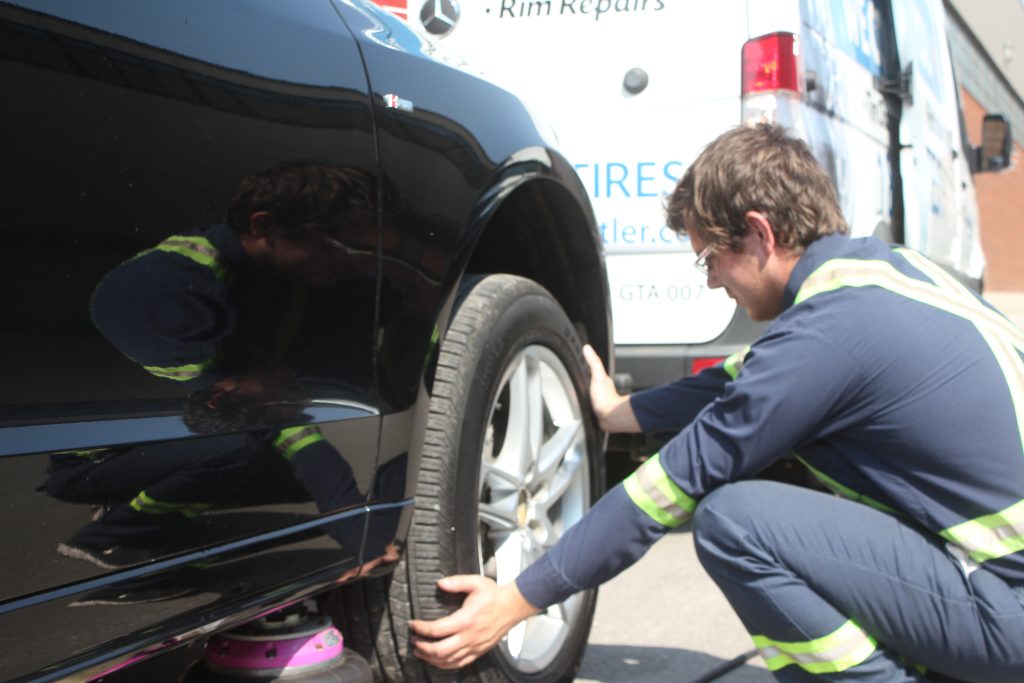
(540, 230)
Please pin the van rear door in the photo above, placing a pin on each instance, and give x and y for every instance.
(929, 140)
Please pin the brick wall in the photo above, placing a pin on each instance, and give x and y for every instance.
(1001, 205)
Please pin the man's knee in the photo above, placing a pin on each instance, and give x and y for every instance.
(730, 503)
(71, 486)
(726, 520)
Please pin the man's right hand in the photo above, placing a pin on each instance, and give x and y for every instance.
(613, 411)
(487, 614)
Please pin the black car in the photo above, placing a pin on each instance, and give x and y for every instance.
(292, 314)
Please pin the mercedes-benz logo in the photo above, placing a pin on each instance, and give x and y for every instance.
(439, 17)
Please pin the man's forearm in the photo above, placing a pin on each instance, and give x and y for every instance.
(613, 535)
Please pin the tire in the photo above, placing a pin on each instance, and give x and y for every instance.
(511, 459)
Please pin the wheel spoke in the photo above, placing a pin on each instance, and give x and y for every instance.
(554, 451)
(563, 472)
(554, 528)
(510, 557)
(571, 474)
(542, 635)
(498, 518)
(523, 433)
(514, 640)
(563, 611)
(557, 611)
(498, 478)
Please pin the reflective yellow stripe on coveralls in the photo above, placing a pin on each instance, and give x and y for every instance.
(651, 489)
(1000, 532)
(734, 363)
(180, 373)
(293, 439)
(144, 503)
(201, 251)
(845, 647)
(194, 248)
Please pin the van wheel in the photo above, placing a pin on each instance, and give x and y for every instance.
(511, 459)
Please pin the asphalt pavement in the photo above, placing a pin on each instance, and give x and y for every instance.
(664, 620)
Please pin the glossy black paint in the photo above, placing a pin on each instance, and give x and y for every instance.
(128, 122)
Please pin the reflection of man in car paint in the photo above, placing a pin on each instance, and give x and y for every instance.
(147, 494)
(197, 308)
(146, 498)
(218, 311)
(252, 401)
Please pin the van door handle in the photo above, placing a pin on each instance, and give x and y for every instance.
(635, 81)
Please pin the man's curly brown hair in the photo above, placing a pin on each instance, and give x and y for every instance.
(763, 169)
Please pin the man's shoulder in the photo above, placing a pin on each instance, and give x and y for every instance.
(165, 289)
(180, 257)
(853, 320)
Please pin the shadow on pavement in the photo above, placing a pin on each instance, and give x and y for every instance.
(627, 664)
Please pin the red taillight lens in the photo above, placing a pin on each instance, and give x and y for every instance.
(399, 8)
(698, 364)
(771, 63)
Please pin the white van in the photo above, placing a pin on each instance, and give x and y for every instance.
(635, 88)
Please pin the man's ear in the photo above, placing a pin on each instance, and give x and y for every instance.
(215, 397)
(759, 227)
(220, 389)
(260, 223)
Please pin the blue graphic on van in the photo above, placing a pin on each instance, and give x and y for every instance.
(616, 232)
(925, 54)
(638, 179)
(853, 27)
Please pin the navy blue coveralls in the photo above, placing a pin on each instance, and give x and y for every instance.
(902, 392)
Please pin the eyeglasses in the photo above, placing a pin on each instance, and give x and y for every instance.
(702, 263)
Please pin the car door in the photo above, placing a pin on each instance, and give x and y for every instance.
(131, 127)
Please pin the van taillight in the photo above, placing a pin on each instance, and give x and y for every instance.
(771, 63)
(698, 364)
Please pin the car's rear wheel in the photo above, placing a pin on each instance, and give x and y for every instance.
(511, 459)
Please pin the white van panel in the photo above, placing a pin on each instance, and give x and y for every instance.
(770, 16)
(937, 219)
(567, 60)
(845, 116)
(662, 298)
